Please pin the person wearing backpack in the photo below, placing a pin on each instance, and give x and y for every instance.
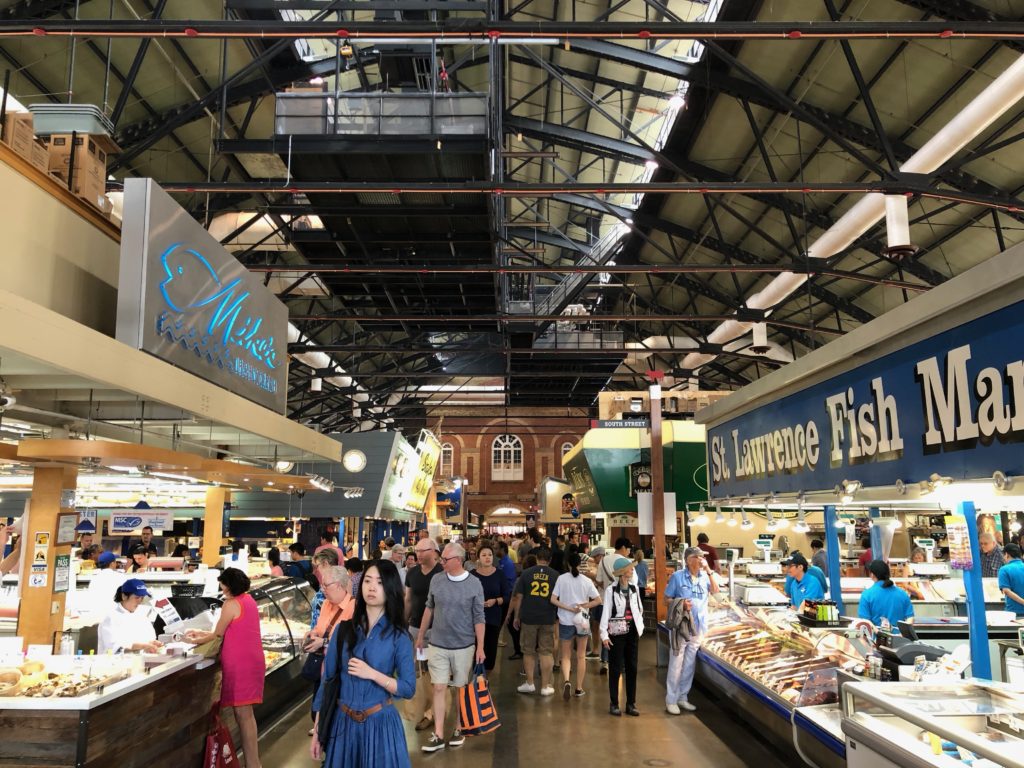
(622, 624)
(300, 566)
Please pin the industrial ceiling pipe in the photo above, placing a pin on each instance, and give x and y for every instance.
(468, 31)
(979, 114)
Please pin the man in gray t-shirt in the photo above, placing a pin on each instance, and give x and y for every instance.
(455, 617)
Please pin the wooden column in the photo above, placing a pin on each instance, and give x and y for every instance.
(213, 524)
(658, 502)
(41, 612)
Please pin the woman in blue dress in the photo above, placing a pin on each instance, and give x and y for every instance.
(376, 666)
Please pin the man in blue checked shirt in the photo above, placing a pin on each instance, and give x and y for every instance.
(695, 583)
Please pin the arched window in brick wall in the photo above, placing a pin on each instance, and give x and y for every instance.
(506, 459)
(447, 460)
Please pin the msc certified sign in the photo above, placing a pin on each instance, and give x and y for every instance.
(185, 299)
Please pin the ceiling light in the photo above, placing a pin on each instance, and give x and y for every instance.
(746, 525)
(651, 165)
(731, 522)
(702, 516)
(316, 81)
(284, 467)
(719, 517)
(677, 101)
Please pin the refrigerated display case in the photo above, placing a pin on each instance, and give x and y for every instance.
(970, 722)
(286, 609)
(780, 676)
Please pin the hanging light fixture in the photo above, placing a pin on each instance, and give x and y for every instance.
(801, 520)
(731, 522)
(719, 517)
(772, 525)
(702, 516)
(746, 525)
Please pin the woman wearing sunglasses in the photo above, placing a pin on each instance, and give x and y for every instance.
(373, 657)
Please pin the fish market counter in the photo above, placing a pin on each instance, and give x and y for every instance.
(780, 677)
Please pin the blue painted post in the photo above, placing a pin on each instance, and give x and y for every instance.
(360, 542)
(876, 535)
(341, 533)
(981, 664)
(832, 546)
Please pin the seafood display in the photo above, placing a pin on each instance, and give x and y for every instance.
(778, 653)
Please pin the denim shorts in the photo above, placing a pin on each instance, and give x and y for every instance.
(566, 631)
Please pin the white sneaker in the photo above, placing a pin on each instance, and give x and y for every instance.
(527, 688)
(673, 709)
(684, 704)
(549, 691)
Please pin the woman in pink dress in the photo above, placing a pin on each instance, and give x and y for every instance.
(241, 657)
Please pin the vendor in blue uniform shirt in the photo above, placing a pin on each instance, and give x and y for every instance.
(883, 603)
(1011, 579)
(804, 586)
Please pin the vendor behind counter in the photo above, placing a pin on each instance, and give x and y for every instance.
(127, 627)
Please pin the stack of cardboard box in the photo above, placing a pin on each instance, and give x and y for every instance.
(20, 136)
(89, 169)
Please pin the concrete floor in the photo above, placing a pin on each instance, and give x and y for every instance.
(579, 731)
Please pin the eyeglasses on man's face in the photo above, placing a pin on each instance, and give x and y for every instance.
(453, 557)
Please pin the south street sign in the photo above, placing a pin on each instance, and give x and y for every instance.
(185, 299)
(952, 404)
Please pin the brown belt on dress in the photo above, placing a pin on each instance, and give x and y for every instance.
(361, 715)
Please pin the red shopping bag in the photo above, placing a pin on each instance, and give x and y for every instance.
(477, 713)
(220, 749)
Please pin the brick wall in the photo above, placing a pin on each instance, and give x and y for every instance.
(472, 434)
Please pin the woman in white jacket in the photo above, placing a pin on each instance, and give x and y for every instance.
(622, 624)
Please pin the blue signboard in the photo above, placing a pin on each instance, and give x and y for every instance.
(451, 502)
(952, 404)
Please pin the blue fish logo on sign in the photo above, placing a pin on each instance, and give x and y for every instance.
(225, 325)
(129, 523)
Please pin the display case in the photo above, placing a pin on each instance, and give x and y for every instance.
(968, 722)
(780, 675)
(286, 610)
(64, 712)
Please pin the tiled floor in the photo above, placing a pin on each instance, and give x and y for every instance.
(576, 733)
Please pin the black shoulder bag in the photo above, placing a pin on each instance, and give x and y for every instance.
(313, 666)
(330, 690)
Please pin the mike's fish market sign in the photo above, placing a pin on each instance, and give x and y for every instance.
(185, 299)
(952, 404)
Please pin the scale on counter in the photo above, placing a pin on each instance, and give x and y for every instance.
(762, 595)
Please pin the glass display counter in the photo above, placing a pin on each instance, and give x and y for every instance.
(781, 677)
(925, 724)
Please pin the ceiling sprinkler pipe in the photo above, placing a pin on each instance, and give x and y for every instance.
(1005, 91)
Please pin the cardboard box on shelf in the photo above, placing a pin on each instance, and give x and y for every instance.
(40, 156)
(19, 133)
(90, 159)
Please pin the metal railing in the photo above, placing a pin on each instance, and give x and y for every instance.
(381, 114)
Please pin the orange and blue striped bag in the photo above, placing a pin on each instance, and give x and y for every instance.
(477, 713)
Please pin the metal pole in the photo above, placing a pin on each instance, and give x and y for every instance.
(832, 548)
(981, 662)
(658, 501)
(3, 104)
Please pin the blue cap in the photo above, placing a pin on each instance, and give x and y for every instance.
(135, 587)
(105, 558)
